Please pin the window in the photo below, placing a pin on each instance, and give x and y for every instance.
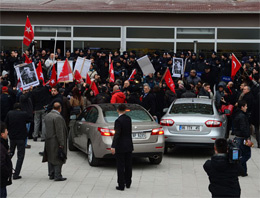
(238, 33)
(51, 31)
(12, 30)
(113, 32)
(143, 48)
(192, 108)
(91, 115)
(196, 33)
(11, 45)
(150, 32)
(237, 48)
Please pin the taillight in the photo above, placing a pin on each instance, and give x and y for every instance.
(213, 123)
(158, 131)
(106, 132)
(166, 122)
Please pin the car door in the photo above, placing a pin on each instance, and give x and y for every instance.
(88, 127)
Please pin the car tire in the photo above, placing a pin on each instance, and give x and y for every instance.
(156, 160)
(71, 146)
(92, 160)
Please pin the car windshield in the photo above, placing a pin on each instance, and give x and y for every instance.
(137, 115)
(192, 108)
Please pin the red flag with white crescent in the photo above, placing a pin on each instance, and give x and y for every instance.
(39, 72)
(169, 81)
(53, 80)
(235, 66)
(28, 33)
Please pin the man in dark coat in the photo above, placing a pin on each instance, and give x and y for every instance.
(56, 139)
(249, 98)
(223, 176)
(5, 162)
(7, 102)
(16, 124)
(40, 98)
(122, 147)
(148, 100)
(242, 133)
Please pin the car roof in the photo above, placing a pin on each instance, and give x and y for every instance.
(193, 100)
(109, 106)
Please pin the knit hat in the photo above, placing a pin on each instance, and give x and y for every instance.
(4, 73)
(4, 89)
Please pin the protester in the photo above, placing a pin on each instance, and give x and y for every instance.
(56, 142)
(16, 124)
(5, 161)
(117, 95)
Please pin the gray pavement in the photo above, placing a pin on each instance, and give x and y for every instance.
(179, 175)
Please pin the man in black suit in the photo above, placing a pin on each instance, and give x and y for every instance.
(122, 147)
(148, 100)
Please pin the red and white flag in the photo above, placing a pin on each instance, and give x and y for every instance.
(65, 72)
(235, 66)
(78, 77)
(92, 85)
(53, 80)
(28, 33)
(169, 81)
(111, 73)
(39, 72)
(132, 76)
(27, 60)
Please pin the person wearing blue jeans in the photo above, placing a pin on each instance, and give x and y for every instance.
(242, 133)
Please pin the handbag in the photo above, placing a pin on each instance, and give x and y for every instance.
(227, 109)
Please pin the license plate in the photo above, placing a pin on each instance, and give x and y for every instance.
(189, 128)
(138, 135)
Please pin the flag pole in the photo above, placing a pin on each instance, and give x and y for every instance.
(55, 42)
(164, 74)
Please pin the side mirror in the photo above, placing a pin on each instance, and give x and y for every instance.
(165, 110)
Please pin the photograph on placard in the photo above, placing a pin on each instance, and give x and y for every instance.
(177, 67)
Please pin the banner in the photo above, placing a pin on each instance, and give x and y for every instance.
(82, 65)
(177, 67)
(27, 74)
(145, 65)
(59, 69)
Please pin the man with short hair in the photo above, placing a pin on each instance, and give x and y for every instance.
(223, 175)
(193, 78)
(5, 162)
(122, 148)
(16, 124)
(56, 139)
(242, 133)
(205, 91)
(148, 100)
(117, 96)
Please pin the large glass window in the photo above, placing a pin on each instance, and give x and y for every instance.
(112, 32)
(143, 48)
(12, 45)
(196, 33)
(206, 48)
(237, 48)
(150, 32)
(51, 31)
(105, 45)
(12, 30)
(238, 33)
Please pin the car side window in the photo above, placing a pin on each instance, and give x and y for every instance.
(82, 116)
(92, 115)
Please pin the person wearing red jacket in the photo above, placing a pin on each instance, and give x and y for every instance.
(117, 96)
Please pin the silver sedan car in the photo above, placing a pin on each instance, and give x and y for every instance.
(193, 121)
(92, 132)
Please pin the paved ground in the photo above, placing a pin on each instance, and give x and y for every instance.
(179, 175)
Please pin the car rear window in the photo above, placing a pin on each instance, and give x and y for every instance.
(192, 108)
(137, 115)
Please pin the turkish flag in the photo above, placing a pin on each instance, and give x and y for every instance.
(27, 60)
(92, 85)
(53, 80)
(39, 72)
(78, 77)
(235, 66)
(111, 73)
(169, 81)
(132, 76)
(28, 33)
(65, 72)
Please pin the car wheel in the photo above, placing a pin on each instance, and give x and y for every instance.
(156, 160)
(92, 160)
(71, 146)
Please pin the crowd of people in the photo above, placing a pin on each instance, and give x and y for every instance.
(203, 77)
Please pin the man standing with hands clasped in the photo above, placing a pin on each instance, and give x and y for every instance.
(122, 147)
